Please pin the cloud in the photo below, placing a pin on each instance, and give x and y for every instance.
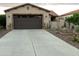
(61, 9)
(2, 9)
(39, 1)
(58, 8)
(63, 1)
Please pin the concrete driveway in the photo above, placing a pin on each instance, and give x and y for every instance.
(34, 43)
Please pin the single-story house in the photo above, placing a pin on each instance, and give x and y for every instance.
(63, 17)
(28, 16)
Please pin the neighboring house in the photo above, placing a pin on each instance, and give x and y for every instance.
(28, 16)
(71, 26)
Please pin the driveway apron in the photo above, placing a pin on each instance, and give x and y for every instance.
(34, 43)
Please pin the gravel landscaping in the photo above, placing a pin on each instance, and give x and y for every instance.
(67, 37)
(3, 32)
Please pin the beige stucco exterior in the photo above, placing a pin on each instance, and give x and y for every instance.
(58, 23)
(23, 10)
(54, 25)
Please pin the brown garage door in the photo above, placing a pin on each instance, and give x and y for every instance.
(27, 21)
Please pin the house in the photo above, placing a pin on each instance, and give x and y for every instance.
(28, 16)
(70, 26)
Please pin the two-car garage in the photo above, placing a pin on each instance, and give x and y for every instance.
(27, 16)
(27, 21)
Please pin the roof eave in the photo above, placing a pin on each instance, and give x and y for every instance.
(24, 5)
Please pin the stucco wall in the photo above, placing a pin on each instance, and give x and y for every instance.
(60, 21)
(23, 10)
(58, 24)
(54, 25)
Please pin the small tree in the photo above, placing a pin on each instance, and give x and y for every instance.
(73, 19)
(69, 20)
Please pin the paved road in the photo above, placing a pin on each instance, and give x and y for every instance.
(34, 43)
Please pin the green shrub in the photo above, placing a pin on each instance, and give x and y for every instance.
(76, 39)
(73, 19)
(3, 21)
(77, 29)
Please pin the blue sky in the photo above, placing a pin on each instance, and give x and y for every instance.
(48, 4)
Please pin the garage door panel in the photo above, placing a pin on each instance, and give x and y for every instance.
(28, 22)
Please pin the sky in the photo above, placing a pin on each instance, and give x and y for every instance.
(58, 6)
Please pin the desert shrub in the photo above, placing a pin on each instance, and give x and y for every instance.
(76, 39)
(3, 21)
